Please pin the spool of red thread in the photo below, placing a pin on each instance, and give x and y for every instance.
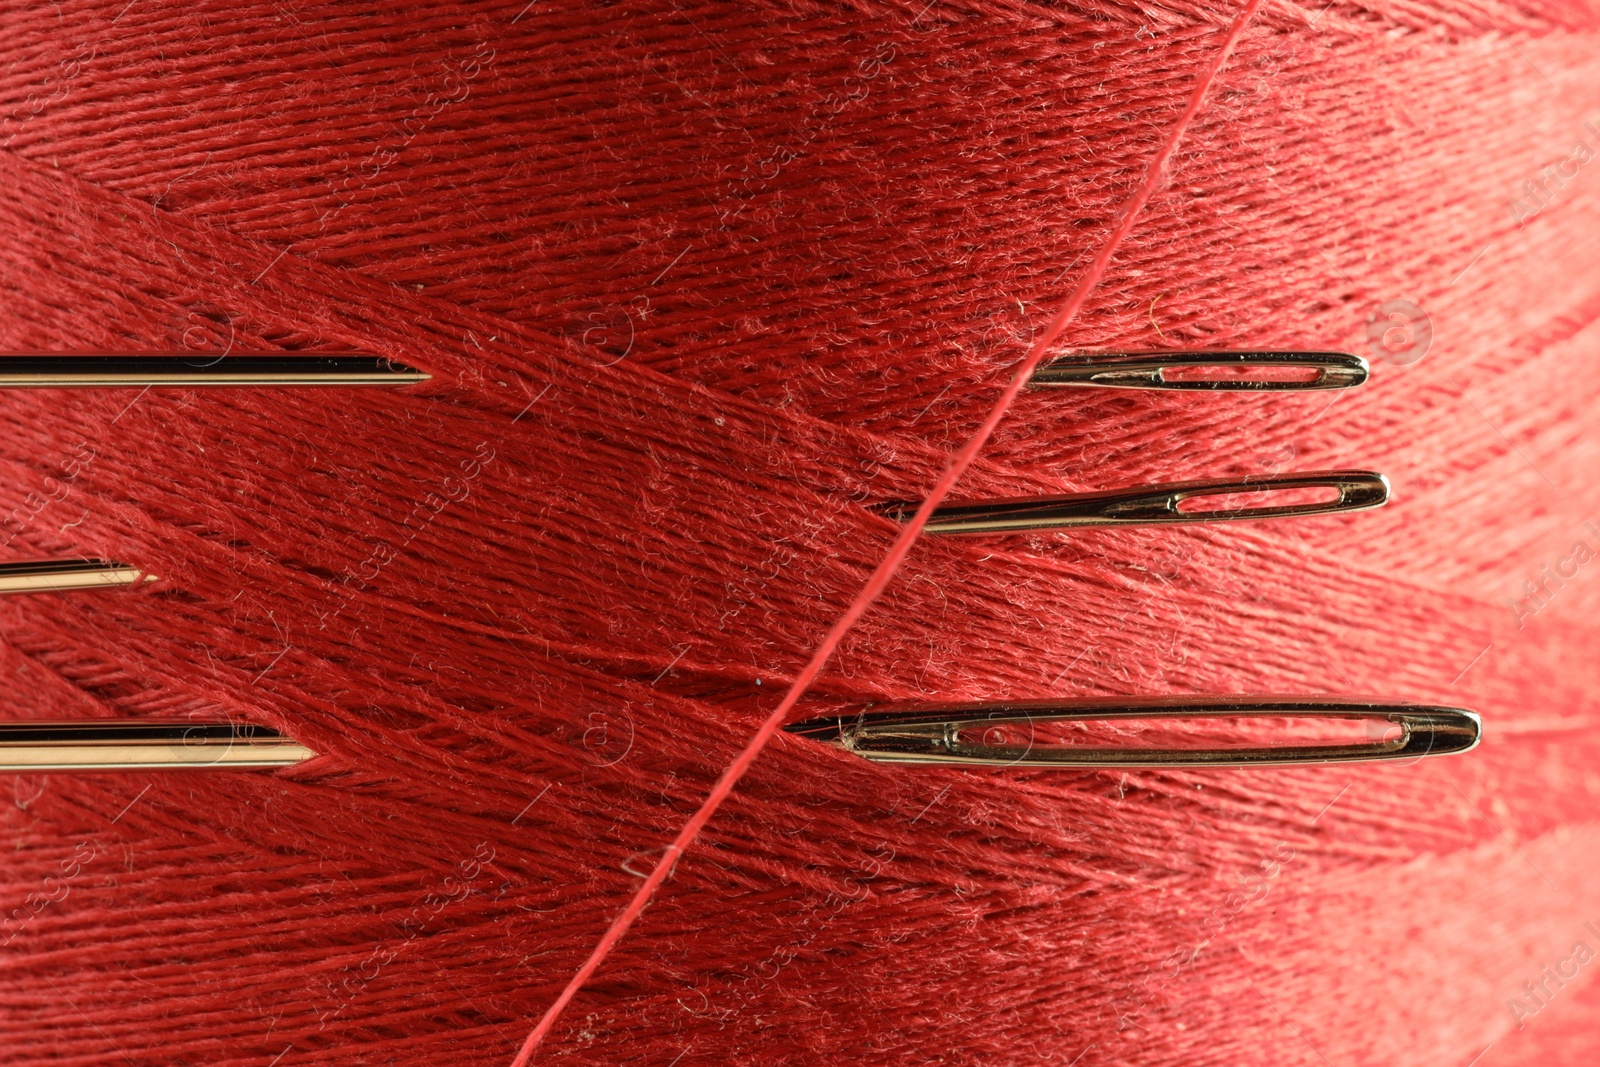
(697, 285)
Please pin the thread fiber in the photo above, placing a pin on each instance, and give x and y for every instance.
(698, 286)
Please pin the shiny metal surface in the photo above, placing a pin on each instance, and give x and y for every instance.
(54, 575)
(1234, 371)
(110, 371)
(1354, 491)
(111, 745)
(941, 734)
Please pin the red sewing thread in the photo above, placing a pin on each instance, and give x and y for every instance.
(885, 572)
(520, 607)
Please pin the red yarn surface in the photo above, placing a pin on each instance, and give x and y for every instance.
(697, 286)
(890, 565)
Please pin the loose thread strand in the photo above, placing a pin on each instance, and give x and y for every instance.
(886, 570)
